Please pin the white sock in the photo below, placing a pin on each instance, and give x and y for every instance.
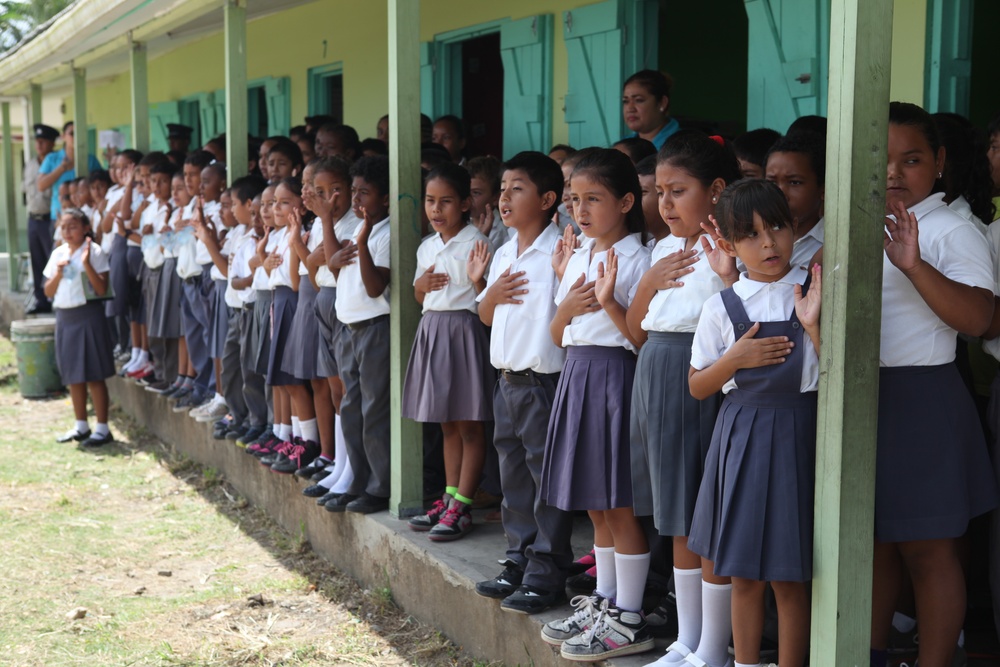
(309, 430)
(143, 357)
(219, 398)
(716, 623)
(607, 582)
(687, 585)
(740, 664)
(630, 573)
(82, 426)
(903, 623)
(283, 432)
(135, 354)
(102, 429)
(342, 464)
(296, 428)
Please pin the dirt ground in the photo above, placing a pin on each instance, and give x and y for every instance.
(125, 556)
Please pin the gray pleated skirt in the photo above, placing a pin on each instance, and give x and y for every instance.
(262, 330)
(449, 376)
(165, 314)
(754, 515)
(118, 269)
(303, 338)
(83, 344)
(587, 464)
(136, 269)
(671, 432)
(328, 327)
(283, 305)
(933, 472)
(150, 285)
(218, 320)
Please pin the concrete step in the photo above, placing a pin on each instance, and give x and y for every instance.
(435, 583)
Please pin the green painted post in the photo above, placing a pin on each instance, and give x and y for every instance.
(404, 198)
(140, 95)
(852, 302)
(80, 121)
(236, 88)
(7, 161)
(34, 116)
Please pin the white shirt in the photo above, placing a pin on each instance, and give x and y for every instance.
(520, 338)
(353, 302)
(281, 275)
(344, 230)
(233, 237)
(315, 240)
(961, 206)
(115, 193)
(450, 258)
(71, 292)
(239, 267)
(213, 219)
(597, 328)
(912, 335)
(261, 280)
(805, 247)
(678, 309)
(764, 302)
(500, 233)
(136, 203)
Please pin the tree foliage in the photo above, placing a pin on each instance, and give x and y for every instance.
(18, 18)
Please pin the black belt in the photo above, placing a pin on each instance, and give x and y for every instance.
(40, 216)
(355, 326)
(528, 377)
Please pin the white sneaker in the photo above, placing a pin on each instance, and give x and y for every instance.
(202, 409)
(214, 411)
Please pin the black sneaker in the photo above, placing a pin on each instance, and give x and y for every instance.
(234, 433)
(192, 400)
(504, 584)
(425, 522)
(299, 455)
(662, 621)
(530, 600)
(315, 491)
(313, 467)
(329, 496)
(339, 503)
(368, 504)
(158, 387)
(582, 584)
(255, 436)
(98, 440)
(180, 393)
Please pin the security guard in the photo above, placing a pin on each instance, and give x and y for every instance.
(39, 215)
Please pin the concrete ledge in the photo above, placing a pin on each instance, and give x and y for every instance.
(433, 582)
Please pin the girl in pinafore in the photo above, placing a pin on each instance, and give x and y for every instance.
(758, 341)
(586, 464)
(449, 378)
(933, 473)
(77, 274)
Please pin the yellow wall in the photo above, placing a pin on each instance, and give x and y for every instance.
(909, 26)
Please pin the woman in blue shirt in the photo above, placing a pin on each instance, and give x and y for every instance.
(646, 106)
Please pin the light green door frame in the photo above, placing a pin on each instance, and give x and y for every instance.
(443, 59)
(81, 139)
(315, 85)
(948, 66)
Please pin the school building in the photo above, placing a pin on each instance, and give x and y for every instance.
(526, 74)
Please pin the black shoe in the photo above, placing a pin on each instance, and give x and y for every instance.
(174, 390)
(582, 584)
(300, 454)
(97, 440)
(73, 434)
(234, 433)
(320, 474)
(39, 309)
(504, 584)
(158, 387)
(340, 503)
(181, 394)
(314, 466)
(368, 504)
(315, 491)
(530, 600)
(662, 621)
(192, 400)
(328, 497)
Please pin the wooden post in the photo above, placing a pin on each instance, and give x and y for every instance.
(80, 121)
(852, 302)
(404, 214)
(140, 95)
(236, 89)
(32, 116)
(9, 211)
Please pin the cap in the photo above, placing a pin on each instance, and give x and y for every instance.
(175, 131)
(46, 132)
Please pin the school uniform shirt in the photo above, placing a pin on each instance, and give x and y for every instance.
(804, 248)
(169, 236)
(233, 237)
(344, 230)
(71, 292)
(261, 281)
(315, 240)
(678, 309)
(597, 328)
(912, 335)
(961, 206)
(520, 338)
(499, 233)
(764, 302)
(136, 203)
(213, 218)
(239, 267)
(353, 302)
(115, 193)
(281, 275)
(450, 258)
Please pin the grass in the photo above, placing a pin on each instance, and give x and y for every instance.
(102, 530)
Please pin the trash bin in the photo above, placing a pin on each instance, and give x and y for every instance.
(35, 340)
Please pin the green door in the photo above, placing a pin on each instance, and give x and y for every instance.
(427, 50)
(594, 37)
(526, 52)
(788, 61)
(948, 68)
(159, 116)
(277, 92)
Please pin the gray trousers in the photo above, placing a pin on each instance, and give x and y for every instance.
(40, 246)
(232, 372)
(195, 319)
(164, 352)
(363, 358)
(538, 535)
(257, 404)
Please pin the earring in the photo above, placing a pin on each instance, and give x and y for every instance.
(940, 174)
(715, 200)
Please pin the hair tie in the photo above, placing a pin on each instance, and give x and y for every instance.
(717, 139)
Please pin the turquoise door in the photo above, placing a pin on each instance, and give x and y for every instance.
(526, 52)
(277, 92)
(159, 116)
(948, 68)
(788, 61)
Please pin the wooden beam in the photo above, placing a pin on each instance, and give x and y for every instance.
(80, 121)
(140, 95)
(236, 88)
(852, 302)
(9, 210)
(404, 199)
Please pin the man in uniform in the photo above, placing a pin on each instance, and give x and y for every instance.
(39, 215)
(179, 137)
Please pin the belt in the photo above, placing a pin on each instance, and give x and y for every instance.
(40, 216)
(528, 377)
(355, 326)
